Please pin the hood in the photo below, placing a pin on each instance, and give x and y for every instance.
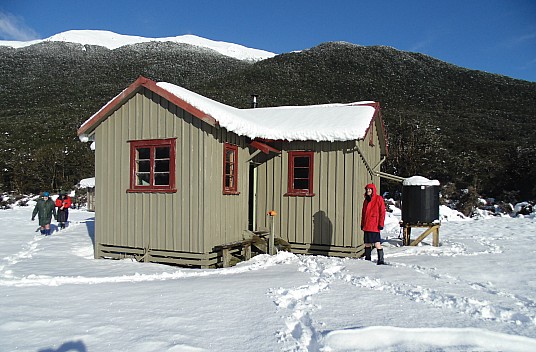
(373, 186)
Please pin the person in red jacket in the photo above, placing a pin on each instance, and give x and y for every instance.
(63, 203)
(372, 221)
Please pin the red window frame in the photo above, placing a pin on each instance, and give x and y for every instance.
(296, 174)
(152, 160)
(230, 169)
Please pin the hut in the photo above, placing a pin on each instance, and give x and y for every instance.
(88, 184)
(183, 177)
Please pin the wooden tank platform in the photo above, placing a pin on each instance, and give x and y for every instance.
(431, 228)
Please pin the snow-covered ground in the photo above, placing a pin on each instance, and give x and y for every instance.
(476, 292)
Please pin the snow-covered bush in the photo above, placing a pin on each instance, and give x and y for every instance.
(524, 208)
(8, 201)
(5, 202)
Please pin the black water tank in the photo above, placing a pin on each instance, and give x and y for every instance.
(420, 201)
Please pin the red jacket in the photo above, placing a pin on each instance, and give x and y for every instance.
(373, 212)
(66, 203)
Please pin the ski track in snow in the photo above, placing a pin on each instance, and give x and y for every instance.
(27, 252)
(457, 281)
(478, 308)
(299, 332)
(29, 249)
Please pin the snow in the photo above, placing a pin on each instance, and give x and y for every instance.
(113, 40)
(87, 183)
(419, 181)
(326, 122)
(476, 292)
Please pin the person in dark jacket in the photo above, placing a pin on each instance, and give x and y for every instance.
(45, 209)
(372, 221)
(63, 203)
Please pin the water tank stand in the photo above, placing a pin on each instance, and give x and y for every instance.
(431, 228)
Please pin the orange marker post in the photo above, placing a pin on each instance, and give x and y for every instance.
(271, 244)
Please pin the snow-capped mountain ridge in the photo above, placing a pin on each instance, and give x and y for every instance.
(113, 40)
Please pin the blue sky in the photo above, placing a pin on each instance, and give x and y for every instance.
(497, 36)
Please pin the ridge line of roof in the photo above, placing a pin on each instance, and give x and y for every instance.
(292, 123)
(140, 82)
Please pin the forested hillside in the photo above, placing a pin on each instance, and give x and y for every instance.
(463, 127)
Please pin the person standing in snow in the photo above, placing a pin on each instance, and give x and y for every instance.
(45, 207)
(372, 221)
(63, 203)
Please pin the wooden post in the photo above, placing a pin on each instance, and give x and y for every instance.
(226, 257)
(435, 242)
(247, 251)
(271, 239)
(407, 235)
(271, 245)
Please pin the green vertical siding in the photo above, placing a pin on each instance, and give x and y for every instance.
(331, 216)
(198, 216)
(195, 218)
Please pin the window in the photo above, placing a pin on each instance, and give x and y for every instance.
(152, 165)
(300, 174)
(230, 169)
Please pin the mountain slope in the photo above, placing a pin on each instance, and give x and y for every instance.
(444, 121)
(113, 40)
(463, 126)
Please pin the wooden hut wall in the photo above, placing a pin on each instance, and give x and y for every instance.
(195, 218)
(332, 216)
(90, 195)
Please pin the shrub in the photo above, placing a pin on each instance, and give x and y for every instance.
(469, 201)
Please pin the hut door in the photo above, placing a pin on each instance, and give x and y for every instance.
(252, 197)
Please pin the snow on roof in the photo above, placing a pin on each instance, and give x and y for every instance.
(87, 183)
(328, 122)
(419, 181)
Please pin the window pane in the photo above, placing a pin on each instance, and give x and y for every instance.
(229, 156)
(301, 161)
(162, 153)
(161, 166)
(301, 184)
(228, 181)
(143, 153)
(301, 173)
(144, 166)
(143, 179)
(161, 179)
(229, 169)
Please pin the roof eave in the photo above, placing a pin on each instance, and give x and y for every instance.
(382, 133)
(141, 82)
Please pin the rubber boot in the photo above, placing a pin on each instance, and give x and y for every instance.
(380, 257)
(368, 251)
